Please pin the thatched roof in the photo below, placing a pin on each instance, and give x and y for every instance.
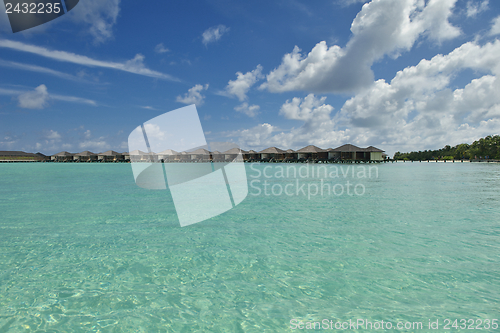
(138, 152)
(310, 149)
(374, 149)
(168, 152)
(200, 151)
(110, 153)
(234, 151)
(86, 153)
(272, 150)
(63, 153)
(347, 148)
(216, 152)
(290, 151)
(251, 151)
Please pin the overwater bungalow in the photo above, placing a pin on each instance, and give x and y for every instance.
(233, 153)
(345, 152)
(185, 157)
(85, 156)
(312, 153)
(217, 156)
(169, 155)
(200, 155)
(354, 153)
(272, 154)
(374, 154)
(138, 156)
(110, 156)
(63, 156)
(251, 155)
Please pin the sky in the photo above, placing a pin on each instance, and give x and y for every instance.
(400, 75)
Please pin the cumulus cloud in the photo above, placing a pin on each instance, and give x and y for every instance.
(99, 15)
(37, 99)
(307, 109)
(382, 27)
(249, 110)
(495, 28)
(193, 96)
(240, 87)
(318, 127)
(135, 65)
(99, 145)
(53, 135)
(474, 8)
(420, 108)
(160, 48)
(213, 34)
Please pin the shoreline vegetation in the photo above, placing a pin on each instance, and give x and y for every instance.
(486, 149)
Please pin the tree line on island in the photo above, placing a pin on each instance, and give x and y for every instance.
(484, 148)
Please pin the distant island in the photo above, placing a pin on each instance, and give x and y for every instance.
(485, 148)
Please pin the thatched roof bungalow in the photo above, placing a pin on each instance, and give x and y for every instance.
(138, 156)
(63, 156)
(234, 154)
(217, 156)
(85, 156)
(375, 154)
(200, 155)
(168, 155)
(251, 155)
(272, 154)
(351, 152)
(110, 156)
(184, 156)
(312, 153)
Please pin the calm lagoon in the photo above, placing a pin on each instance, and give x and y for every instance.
(83, 249)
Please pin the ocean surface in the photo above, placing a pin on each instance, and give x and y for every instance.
(83, 249)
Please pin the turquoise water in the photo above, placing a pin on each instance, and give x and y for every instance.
(83, 249)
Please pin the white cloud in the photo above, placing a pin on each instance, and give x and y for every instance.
(135, 65)
(257, 136)
(240, 87)
(317, 127)
(420, 108)
(495, 28)
(53, 135)
(160, 48)
(73, 99)
(213, 34)
(249, 110)
(474, 8)
(309, 109)
(39, 69)
(193, 96)
(98, 145)
(101, 15)
(382, 27)
(37, 99)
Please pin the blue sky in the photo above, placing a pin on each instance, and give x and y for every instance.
(396, 74)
